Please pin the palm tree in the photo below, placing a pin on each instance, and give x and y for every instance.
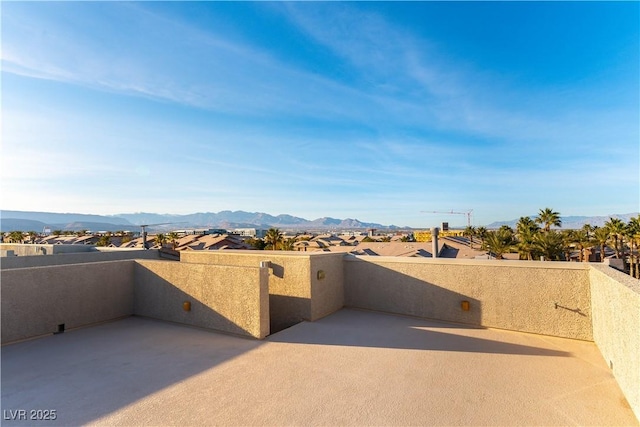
(616, 230)
(633, 237)
(600, 238)
(481, 232)
(568, 240)
(469, 231)
(526, 229)
(161, 239)
(498, 242)
(287, 244)
(549, 244)
(526, 223)
(548, 218)
(173, 239)
(273, 238)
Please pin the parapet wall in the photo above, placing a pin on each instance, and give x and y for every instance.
(547, 298)
(225, 298)
(26, 261)
(616, 327)
(22, 249)
(36, 301)
(297, 292)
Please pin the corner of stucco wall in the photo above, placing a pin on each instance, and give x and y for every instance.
(616, 327)
(327, 284)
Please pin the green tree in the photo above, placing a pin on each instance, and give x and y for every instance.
(56, 232)
(257, 243)
(481, 232)
(161, 239)
(273, 239)
(16, 237)
(549, 244)
(632, 234)
(616, 232)
(498, 242)
(104, 240)
(600, 238)
(469, 232)
(548, 218)
(287, 244)
(173, 239)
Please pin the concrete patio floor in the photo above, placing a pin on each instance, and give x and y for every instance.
(351, 368)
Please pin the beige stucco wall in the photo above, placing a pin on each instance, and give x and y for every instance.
(26, 261)
(327, 284)
(226, 298)
(36, 300)
(295, 293)
(515, 295)
(616, 327)
(22, 249)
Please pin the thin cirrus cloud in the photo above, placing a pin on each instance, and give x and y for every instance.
(384, 118)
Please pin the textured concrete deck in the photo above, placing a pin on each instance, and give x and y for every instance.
(351, 368)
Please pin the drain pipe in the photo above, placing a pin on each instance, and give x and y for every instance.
(434, 241)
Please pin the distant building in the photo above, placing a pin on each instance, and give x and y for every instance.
(256, 233)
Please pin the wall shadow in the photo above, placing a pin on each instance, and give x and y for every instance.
(357, 328)
(286, 311)
(89, 373)
(155, 297)
(374, 287)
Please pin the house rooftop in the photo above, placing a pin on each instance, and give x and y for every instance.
(350, 368)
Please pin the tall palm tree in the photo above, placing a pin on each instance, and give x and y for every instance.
(498, 242)
(569, 238)
(481, 232)
(287, 244)
(583, 240)
(633, 237)
(548, 218)
(600, 238)
(469, 231)
(173, 239)
(549, 244)
(525, 245)
(526, 229)
(526, 223)
(273, 238)
(616, 231)
(161, 239)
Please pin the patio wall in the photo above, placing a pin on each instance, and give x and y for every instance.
(616, 327)
(547, 298)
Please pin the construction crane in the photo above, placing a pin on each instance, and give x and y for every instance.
(452, 212)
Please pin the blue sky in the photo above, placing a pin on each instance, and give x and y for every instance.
(375, 111)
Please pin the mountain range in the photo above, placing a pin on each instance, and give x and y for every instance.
(37, 221)
(21, 220)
